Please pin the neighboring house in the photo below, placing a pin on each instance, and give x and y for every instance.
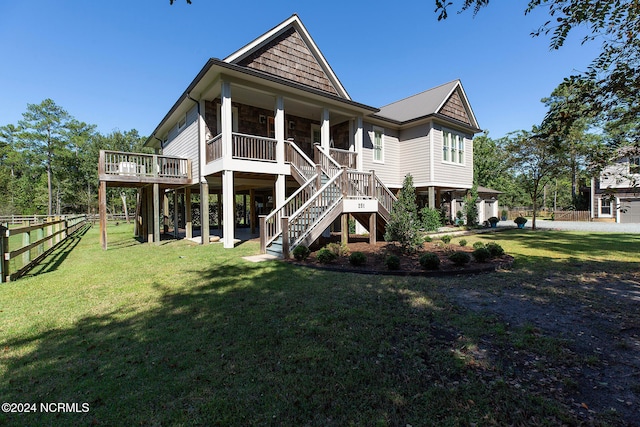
(273, 123)
(615, 194)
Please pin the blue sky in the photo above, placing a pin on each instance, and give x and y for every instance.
(122, 65)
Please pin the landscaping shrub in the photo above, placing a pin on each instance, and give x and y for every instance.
(478, 245)
(462, 242)
(495, 249)
(301, 252)
(325, 256)
(428, 239)
(446, 239)
(340, 249)
(431, 219)
(392, 262)
(481, 254)
(357, 258)
(460, 258)
(429, 261)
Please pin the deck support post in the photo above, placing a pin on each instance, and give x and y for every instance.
(228, 204)
(344, 228)
(156, 214)
(280, 191)
(285, 237)
(102, 196)
(188, 221)
(373, 232)
(432, 197)
(175, 213)
(204, 211)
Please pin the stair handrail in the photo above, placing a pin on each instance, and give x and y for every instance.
(385, 196)
(326, 162)
(296, 235)
(273, 220)
(294, 159)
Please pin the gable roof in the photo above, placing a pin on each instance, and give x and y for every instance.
(447, 100)
(288, 51)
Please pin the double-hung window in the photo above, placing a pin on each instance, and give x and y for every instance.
(605, 207)
(452, 147)
(378, 145)
(634, 165)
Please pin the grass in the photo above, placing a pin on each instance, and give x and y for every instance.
(179, 334)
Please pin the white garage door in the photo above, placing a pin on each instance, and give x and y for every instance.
(630, 211)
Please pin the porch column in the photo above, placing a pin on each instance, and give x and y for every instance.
(156, 214)
(165, 213)
(150, 222)
(252, 210)
(188, 221)
(344, 228)
(226, 122)
(358, 142)
(432, 197)
(325, 130)
(280, 191)
(204, 211)
(228, 220)
(373, 231)
(279, 129)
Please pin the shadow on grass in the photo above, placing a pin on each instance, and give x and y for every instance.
(54, 259)
(263, 344)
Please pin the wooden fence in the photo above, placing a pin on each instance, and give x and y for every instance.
(21, 248)
(584, 216)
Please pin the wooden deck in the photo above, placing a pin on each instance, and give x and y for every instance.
(137, 169)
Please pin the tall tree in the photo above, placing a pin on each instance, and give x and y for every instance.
(44, 133)
(534, 160)
(404, 226)
(615, 72)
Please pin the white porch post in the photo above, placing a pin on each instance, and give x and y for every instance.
(226, 121)
(204, 211)
(358, 142)
(228, 202)
(432, 197)
(280, 190)
(325, 131)
(279, 128)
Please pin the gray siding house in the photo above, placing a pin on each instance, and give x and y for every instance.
(615, 194)
(272, 125)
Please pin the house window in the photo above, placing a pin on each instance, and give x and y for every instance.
(634, 165)
(182, 122)
(378, 145)
(605, 207)
(452, 147)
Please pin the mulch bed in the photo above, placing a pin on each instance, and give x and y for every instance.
(409, 264)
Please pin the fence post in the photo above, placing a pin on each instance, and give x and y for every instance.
(4, 248)
(26, 241)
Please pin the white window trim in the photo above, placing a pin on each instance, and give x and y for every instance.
(315, 128)
(453, 151)
(382, 143)
(600, 214)
(182, 122)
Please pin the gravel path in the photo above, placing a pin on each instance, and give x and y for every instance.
(606, 227)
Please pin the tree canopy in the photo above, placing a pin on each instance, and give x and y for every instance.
(610, 86)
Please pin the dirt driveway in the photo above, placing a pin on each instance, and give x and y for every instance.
(593, 316)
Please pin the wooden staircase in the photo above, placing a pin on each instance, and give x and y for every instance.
(326, 188)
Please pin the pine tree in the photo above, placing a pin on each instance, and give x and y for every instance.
(404, 226)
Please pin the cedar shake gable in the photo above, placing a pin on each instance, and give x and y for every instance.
(454, 108)
(289, 57)
(288, 51)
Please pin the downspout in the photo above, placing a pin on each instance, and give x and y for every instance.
(160, 141)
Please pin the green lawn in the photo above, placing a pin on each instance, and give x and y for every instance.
(180, 334)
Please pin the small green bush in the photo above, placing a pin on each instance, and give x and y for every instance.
(431, 219)
(357, 258)
(428, 239)
(493, 220)
(392, 262)
(481, 254)
(325, 256)
(429, 261)
(301, 252)
(520, 220)
(478, 245)
(460, 258)
(462, 242)
(446, 239)
(495, 249)
(340, 249)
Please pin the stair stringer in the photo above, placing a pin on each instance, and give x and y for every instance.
(318, 227)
